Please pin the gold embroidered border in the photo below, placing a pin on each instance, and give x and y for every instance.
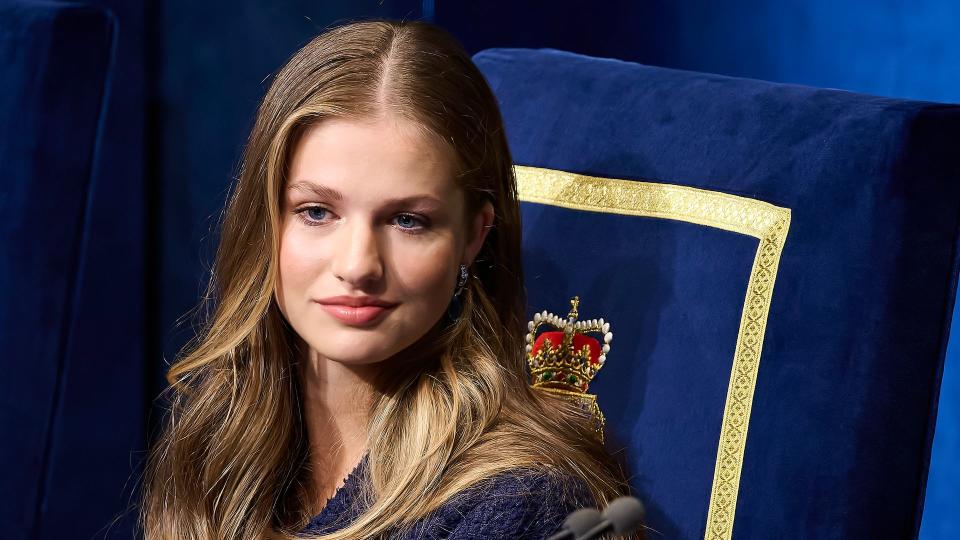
(761, 220)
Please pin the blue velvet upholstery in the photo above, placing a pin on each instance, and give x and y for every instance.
(847, 382)
(55, 66)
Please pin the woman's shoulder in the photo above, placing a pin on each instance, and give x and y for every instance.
(516, 504)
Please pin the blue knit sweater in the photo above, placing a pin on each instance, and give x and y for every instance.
(523, 505)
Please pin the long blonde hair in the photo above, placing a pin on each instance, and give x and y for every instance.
(231, 460)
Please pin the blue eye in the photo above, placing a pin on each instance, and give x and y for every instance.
(313, 215)
(409, 222)
(316, 213)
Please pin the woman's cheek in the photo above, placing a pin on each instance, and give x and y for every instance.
(430, 270)
(300, 260)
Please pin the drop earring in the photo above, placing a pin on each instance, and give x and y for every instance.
(462, 280)
(456, 307)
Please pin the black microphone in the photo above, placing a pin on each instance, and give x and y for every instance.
(623, 516)
(577, 524)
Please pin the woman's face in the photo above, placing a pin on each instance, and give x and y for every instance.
(374, 231)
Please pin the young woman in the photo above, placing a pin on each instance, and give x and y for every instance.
(361, 373)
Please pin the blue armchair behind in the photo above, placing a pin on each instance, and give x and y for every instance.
(55, 70)
(771, 257)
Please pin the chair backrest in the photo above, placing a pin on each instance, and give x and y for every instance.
(55, 65)
(778, 264)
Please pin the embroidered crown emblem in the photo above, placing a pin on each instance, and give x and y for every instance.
(565, 360)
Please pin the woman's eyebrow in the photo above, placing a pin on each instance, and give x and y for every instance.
(320, 191)
(415, 200)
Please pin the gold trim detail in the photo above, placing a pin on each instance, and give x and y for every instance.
(759, 219)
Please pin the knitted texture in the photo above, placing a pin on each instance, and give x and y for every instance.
(521, 505)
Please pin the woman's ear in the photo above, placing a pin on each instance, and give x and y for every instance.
(481, 226)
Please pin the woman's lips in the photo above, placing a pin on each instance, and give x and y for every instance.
(354, 313)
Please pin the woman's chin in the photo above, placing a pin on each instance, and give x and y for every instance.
(357, 350)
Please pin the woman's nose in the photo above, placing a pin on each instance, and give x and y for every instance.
(357, 259)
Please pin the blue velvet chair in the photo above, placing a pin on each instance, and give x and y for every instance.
(55, 70)
(779, 265)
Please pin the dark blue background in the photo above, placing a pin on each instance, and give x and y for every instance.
(191, 73)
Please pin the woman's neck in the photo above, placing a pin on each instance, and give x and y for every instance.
(336, 405)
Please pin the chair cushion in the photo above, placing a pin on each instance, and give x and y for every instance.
(778, 264)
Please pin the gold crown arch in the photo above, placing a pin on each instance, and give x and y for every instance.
(568, 366)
